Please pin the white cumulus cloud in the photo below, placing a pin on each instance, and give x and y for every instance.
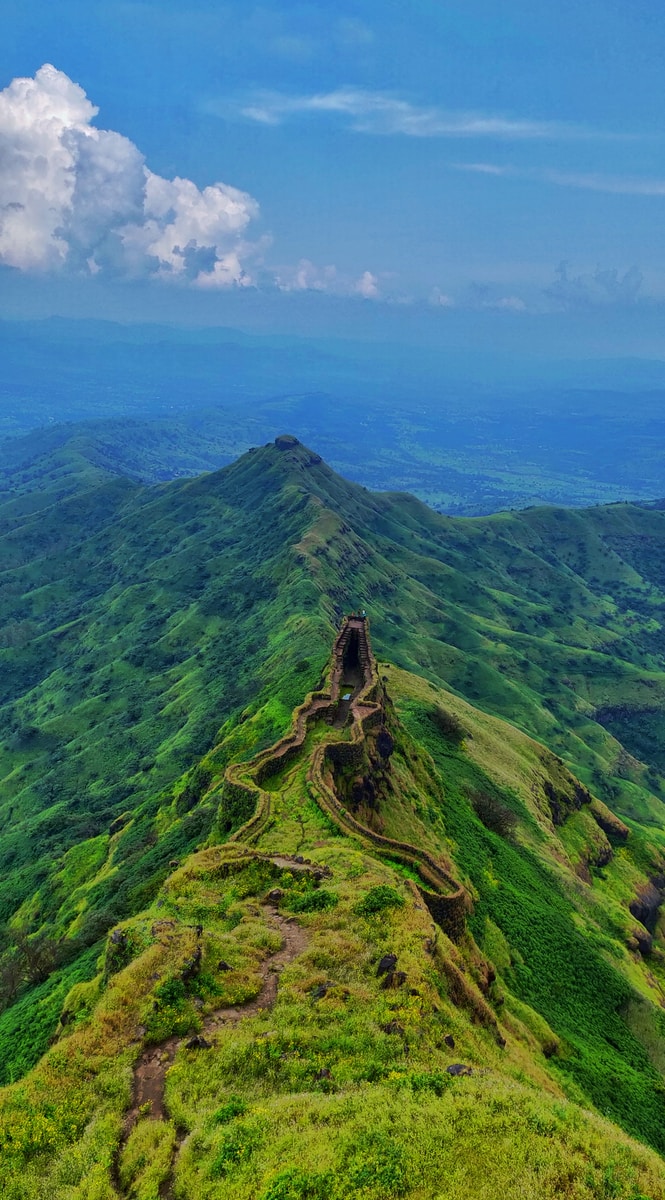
(76, 197)
(367, 286)
(309, 277)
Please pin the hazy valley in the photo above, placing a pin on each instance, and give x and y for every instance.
(468, 434)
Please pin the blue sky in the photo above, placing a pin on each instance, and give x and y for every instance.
(473, 162)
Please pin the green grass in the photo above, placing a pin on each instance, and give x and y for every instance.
(173, 629)
(26, 1027)
(318, 1096)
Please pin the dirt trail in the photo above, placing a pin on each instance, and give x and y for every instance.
(150, 1070)
(295, 940)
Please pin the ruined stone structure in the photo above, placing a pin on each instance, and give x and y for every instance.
(353, 674)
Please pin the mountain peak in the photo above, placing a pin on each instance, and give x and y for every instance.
(286, 456)
(286, 441)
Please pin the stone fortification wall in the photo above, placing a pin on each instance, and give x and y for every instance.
(318, 705)
(444, 896)
(268, 762)
(446, 899)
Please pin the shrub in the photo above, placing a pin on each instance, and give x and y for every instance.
(447, 724)
(429, 1081)
(310, 901)
(376, 1167)
(121, 947)
(171, 993)
(197, 784)
(296, 1184)
(237, 1145)
(493, 814)
(377, 900)
(235, 1106)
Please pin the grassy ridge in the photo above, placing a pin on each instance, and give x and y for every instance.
(145, 625)
(342, 1089)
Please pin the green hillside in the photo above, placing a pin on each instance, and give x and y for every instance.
(148, 451)
(151, 637)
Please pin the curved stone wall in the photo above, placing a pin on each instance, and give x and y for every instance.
(444, 896)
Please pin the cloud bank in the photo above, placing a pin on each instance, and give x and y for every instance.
(602, 287)
(309, 277)
(79, 198)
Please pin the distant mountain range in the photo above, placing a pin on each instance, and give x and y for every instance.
(468, 436)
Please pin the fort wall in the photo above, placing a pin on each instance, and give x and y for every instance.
(444, 896)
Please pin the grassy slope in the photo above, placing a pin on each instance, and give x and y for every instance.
(149, 451)
(159, 616)
(385, 1119)
(542, 616)
(136, 624)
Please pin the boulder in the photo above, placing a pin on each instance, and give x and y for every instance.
(191, 966)
(644, 941)
(198, 1042)
(646, 904)
(387, 963)
(384, 743)
(610, 824)
(393, 1027)
(394, 979)
(322, 989)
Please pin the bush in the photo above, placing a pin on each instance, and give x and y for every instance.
(493, 814)
(235, 1107)
(296, 1184)
(447, 724)
(376, 1167)
(236, 1147)
(195, 787)
(377, 900)
(171, 993)
(310, 901)
(429, 1081)
(121, 947)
